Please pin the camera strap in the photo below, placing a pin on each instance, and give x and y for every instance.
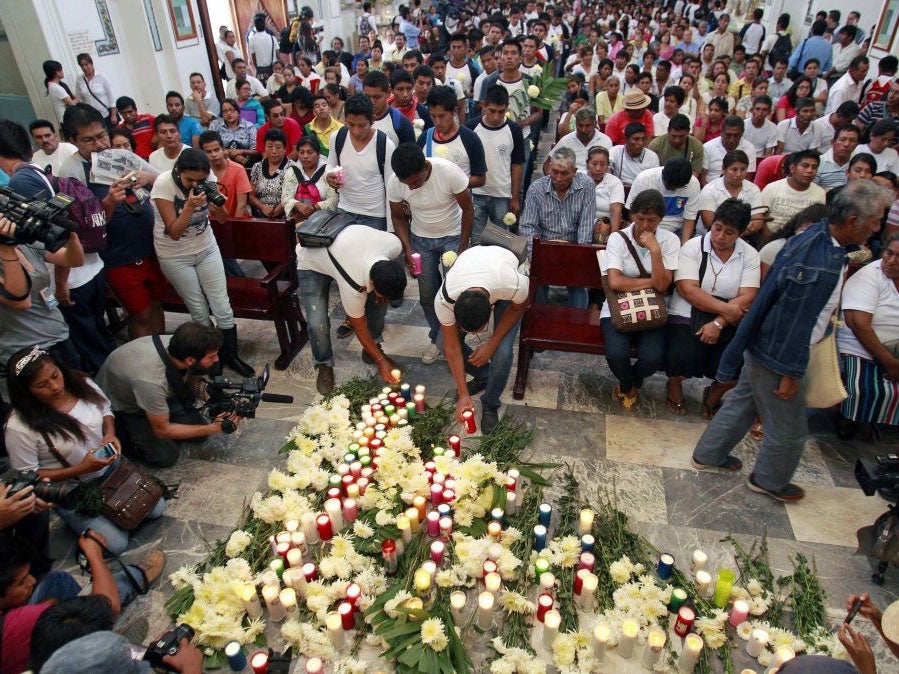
(174, 378)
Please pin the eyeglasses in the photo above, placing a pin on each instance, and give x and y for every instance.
(99, 138)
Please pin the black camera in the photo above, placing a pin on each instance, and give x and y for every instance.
(63, 494)
(881, 475)
(37, 220)
(240, 398)
(212, 193)
(168, 644)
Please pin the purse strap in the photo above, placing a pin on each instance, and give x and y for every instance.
(636, 255)
(55, 452)
(705, 260)
(346, 277)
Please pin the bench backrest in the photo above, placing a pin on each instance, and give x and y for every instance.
(256, 239)
(559, 263)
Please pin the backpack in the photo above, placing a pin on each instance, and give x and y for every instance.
(380, 145)
(365, 28)
(285, 45)
(86, 212)
(781, 50)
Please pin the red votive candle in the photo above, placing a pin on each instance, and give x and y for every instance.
(333, 492)
(353, 592)
(470, 424)
(579, 580)
(448, 496)
(455, 442)
(587, 560)
(684, 622)
(362, 482)
(259, 662)
(436, 494)
(489, 567)
(345, 609)
(544, 604)
(433, 523)
(310, 571)
(323, 522)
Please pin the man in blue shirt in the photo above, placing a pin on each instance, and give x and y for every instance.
(189, 127)
(813, 47)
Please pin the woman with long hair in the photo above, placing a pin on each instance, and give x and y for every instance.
(785, 108)
(59, 419)
(708, 126)
(58, 91)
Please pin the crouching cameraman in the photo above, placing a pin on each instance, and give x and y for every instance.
(105, 652)
(148, 386)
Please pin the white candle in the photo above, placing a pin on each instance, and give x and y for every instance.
(782, 655)
(492, 582)
(511, 503)
(485, 610)
(292, 525)
(699, 561)
(703, 582)
(335, 512)
(403, 524)
(270, 594)
(629, 631)
(288, 599)
(690, 655)
(586, 521)
(335, 629)
(601, 634)
(547, 582)
(588, 592)
(551, 622)
(758, 640)
(457, 604)
(309, 528)
(294, 578)
(655, 641)
(294, 558)
(251, 602)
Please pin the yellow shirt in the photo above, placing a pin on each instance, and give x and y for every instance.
(604, 107)
(324, 136)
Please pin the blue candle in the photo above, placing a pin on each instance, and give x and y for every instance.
(666, 563)
(236, 658)
(539, 537)
(587, 542)
(444, 510)
(544, 513)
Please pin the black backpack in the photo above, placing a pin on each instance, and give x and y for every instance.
(781, 50)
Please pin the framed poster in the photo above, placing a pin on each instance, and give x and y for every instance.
(182, 20)
(154, 27)
(886, 27)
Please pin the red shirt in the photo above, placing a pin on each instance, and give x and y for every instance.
(291, 129)
(143, 133)
(619, 121)
(16, 638)
(233, 183)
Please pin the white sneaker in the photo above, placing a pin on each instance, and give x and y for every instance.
(431, 355)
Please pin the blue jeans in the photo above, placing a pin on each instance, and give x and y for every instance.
(487, 208)
(314, 296)
(429, 280)
(784, 422)
(578, 298)
(368, 220)
(650, 354)
(60, 585)
(116, 539)
(496, 372)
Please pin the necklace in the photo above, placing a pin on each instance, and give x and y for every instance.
(715, 273)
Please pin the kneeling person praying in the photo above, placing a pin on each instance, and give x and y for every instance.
(483, 280)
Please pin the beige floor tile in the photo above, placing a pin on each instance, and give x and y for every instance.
(652, 442)
(542, 389)
(833, 514)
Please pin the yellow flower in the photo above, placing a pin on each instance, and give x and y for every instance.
(433, 634)
(448, 258)
(533, 91)
(509, 219)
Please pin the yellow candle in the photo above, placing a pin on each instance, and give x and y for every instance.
(352, 491)
(288, 599)
(422, 581)
(251, 602)
(421, 505)
(629, 631)
(495, 529)
(586, 521)
(402, 523)
(782, 655)
(294, 557)
(396, 374)
(412, 517)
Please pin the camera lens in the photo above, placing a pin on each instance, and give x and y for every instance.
(63, 494)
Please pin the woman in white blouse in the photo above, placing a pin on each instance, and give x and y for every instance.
(95, 90)
(58, 91)
(609, 194)
(717, 279)
(731, 184)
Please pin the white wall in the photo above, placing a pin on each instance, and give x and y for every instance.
(869, 10)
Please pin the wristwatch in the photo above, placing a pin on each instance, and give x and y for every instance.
(718, 324)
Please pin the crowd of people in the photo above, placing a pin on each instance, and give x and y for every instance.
(748, 179)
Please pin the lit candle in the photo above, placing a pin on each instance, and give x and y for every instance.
(402, 523)
(586, 521)
(485, 610)
(308, 521)
(395, 375)
(421, 505)
(420, 389)
(664, 567)
(470, 424)
(294, 558)
(489, 567)
(541, 565)
(781, 656)
(586, 560)
(436, 494)
(419, 403)
(511, 506)
(438, 478)
(448, 496)
(690, 653)
(350, 510)
(544, 603)
(678, 598)
(310, 572)
(445, 510)
(259, 662)
(629, 631)
(739, 613)
(389, 553)
(288, 599)
(437, 549)
(422, 582)
(591, 582)
(446, 527)
(539, 537)
(363, 482)
(412, 408)
(703, 582)
(283, 537)
(699, 560)
(492, 582)
(323, 522)
(551, 622)
(251, 602)
(270, 594)
(315, 666)
(587, 543)
(334, 623)
(433, 523)
(723, 586)
(457, 603)
(544, 514)
(455, 443)
(684, 621)
(498, 515)
(345, 609)
(277, 565)
(494, 529)
(601, 635)
(757, 642)
(412, 516)
(298, 540)
(579, 576)
(402, 413)
(655, 641)
(333, 492)
(236, 658)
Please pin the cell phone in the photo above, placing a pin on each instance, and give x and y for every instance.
(853, 610)
(106, 451)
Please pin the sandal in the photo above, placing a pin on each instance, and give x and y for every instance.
(674, 406)
(757, 432)
(626, 401)
(708, 412)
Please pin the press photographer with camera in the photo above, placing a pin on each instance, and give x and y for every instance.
(146, 381)
(62, 428)
(15, 283)
(187, 250)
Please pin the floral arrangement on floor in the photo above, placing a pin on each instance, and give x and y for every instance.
(384, 543)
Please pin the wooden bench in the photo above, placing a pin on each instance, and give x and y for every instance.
(554, 327)
(272, 297)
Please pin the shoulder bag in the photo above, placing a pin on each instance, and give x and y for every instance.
(700, 318)
(494, 235)
(823, 384)
(635, 310)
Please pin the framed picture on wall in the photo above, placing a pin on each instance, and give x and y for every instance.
(886, 27)
(182, 20)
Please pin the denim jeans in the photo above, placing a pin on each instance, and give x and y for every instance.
(429, 280)
(784, 422)
(650, 354)
(61, 586)
(368, 220)
(487, 208)
(116, 539)
(578, 298)
(314, 296)
(200, 281)
(496, 372)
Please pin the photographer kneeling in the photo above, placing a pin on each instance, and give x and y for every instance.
(59, 426)
(145, 381)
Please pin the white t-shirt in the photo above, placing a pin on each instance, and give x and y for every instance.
(57, 94)
(435, 211)
(609, 191)
(490, 267)
(264, 47)
(499, 151)
(257, 88)
(713, 157)
(715, 193)
(888, 160)
(160, 162)
(385, 124)
(626, 168)
(795, 140)
(784, 202)
(197, 237)
(721, 279)
(572, 142)
(363, 191)
(660, 121)
(680, 204)
(618, 256)
(356, 248)
(57, 159)
(825, 132)
(761, 139)
(870, 291)
(462, 76)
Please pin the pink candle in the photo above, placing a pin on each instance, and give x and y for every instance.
(323, 522)
(356, 469)
(419, 399)
(437, 548)
(333, 492)
(586, 561)
(544, 604)
(310, 571)
(433, 523)
(739, 613)
(345, 609)
(448, 496)
(346, 481)
(436, 494)
(350, 510)
(362, 482)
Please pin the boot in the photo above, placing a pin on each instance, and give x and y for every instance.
(228, 354)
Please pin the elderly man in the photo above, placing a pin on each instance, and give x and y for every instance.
(584, 136)
(200, 104)
(722, 38)
(769, 355)
(51, 150)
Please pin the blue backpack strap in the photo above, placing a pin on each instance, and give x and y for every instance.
(395, 118)
(429, 144)
(339, 142)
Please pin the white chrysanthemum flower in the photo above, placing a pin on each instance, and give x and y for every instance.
(362, 530)
(448, 258)
(433, 634)
(237, 543)
(533, 91)
(765, 658)
(754, 587)
(744, 630)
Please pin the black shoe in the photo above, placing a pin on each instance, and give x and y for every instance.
(396, 304)
(229, 356)
(489, 420)
(846, 428)
(475, 386)
(731, 465)
(788, 494)
(324, 382)
(345, 329)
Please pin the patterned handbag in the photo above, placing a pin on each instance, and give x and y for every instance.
(635, 310)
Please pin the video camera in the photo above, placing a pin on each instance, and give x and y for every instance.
(881, 474)
(242, 399)
(37, 220)
(64, 493)
(166, 645)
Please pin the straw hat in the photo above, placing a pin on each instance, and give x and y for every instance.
(636, 100)
(890, 622)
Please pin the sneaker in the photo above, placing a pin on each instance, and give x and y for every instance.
(786, 495)
(489, 420)
(152, 566)
(324, 382)
(431, 355)
(731, 465)
(344, 330)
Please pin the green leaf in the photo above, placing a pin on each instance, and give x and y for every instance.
(215, 661)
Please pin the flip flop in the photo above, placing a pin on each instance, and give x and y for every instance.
(708, 412)
(674, 406)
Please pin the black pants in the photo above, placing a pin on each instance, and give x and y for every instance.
(140, 442)
(87, 325)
